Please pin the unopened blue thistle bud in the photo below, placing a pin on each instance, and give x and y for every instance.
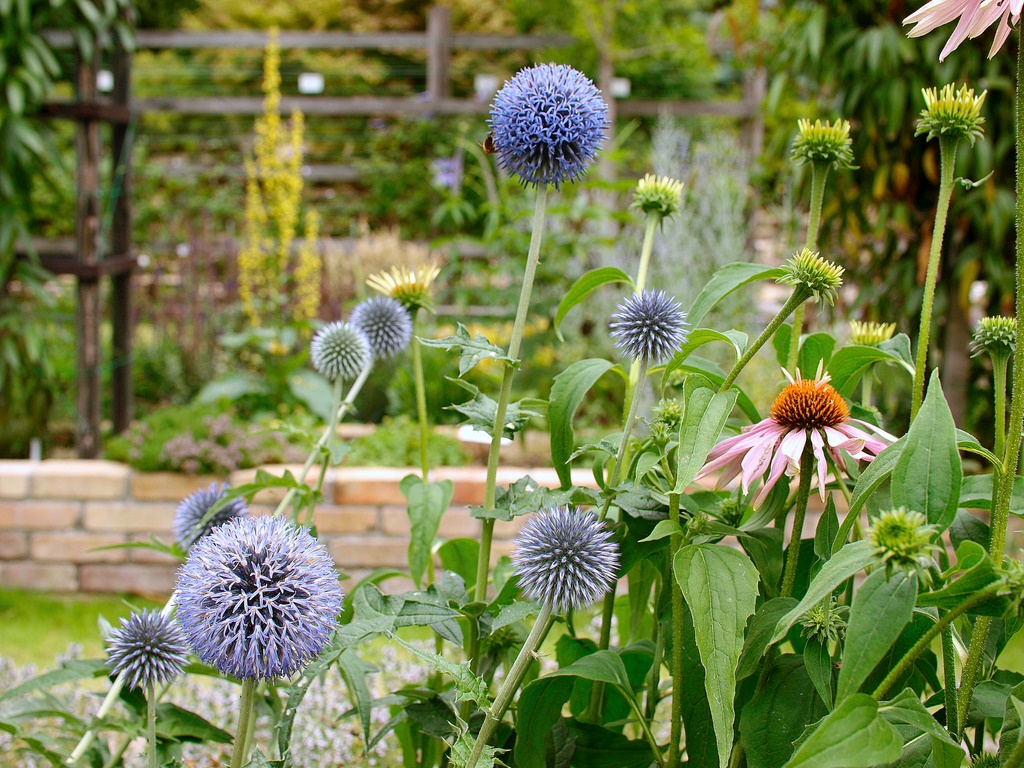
(258, 598)
(339, 350)
(565, 558)
(386, 323)
(148, 648)
(650, 326)
(547, 124)
(188, 517)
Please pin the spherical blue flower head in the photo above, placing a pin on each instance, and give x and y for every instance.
(650, 326)
(258, 598)
(188, 517)
(565, 558)
(386, 323)
(547, 124)
(339, 350)
(148, 648)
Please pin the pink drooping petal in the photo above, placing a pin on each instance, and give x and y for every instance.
(964, 28)
(1003, 29)
(937, 13)
(756, 462)
(817, 443)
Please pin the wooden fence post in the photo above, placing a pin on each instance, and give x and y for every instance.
(439, 51)
(87, 135)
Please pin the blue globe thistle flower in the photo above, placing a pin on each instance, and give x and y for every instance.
(258, 598)
(386, 323)
(339, 350)
(565, 558)
(188, 517)
(649, 327)
(148, 648)
(547, 124)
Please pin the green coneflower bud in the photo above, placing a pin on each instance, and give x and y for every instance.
(699, 524)
(995, 336)
(669, 411)
(661, 433)
(1013, 572)
(731, 511)
(903, 540)
(825, 622)
(820, 278)
(823, 143)
(658, 194)
(986, 760)
(954, 115)
(870, 334)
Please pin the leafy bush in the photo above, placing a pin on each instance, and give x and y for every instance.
(396, 443)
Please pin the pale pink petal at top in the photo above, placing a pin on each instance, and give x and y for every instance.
(937, 13)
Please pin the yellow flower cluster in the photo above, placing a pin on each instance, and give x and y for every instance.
(273, 195)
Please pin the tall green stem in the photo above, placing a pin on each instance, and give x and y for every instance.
(518, 328)
(947, 153)
(1011, 454)
(819, 172)
(151, 723)
(803, 493)
(999, 394)
(421, 398)
(677, 639)
(949, 680)
(653, 219)
(241, 747)
(925, 640)
(511, 683)
(794, 301)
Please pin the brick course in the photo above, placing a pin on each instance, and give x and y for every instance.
(55, 514)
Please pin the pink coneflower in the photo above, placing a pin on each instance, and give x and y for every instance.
(975, 17)
(807, 409)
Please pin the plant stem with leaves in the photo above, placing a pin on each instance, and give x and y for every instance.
(798, 297)
(803, 493)
(819, 173)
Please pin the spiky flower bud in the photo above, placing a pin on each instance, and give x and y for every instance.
(148, 648)
(565, 558)
(825, 622)
(412, 287)
(662, 434)
(386, 323)
(650, 326)
(986, 760)
(904, 540)
(670, 411)
(258, 598)
(731, 511)
(340, 350)
(870, 334)
(189, 525)
(547, 124)
(809, 272)
(825, 143)
(698, 524)
(995, 336)
(951, 115)
(658, 195)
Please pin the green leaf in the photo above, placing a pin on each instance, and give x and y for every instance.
(567, 392)
(468, 687)
(540, 706)
(69, 672)
(583, 287)
(907, 709)
(663, 530)
(976, 493)
(814, 350)
(826, 531)
(704, 417)
(725, 281)
(514, 612)
(231, 387)
(313, 391)
(881, 608)
(480, 411)
(472, 350)
(598, 747)
(526, 496)
(778, 713)
(877, 472)
(460, 556)
(173, 722)
(698, 338)
(844, 564)
(928, 474)
(818, 663)
(716, 376)
(759, 637)
(977, 572)
(719, 585)
(851, 362)
(427, 504)
(1010, 733)
(354, 671)
(851, 736)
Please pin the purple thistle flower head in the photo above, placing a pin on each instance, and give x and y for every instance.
(258, 598)
(148, 648)
(649, 327)
(339, 350)
(547, 123)
(386, 323)
(565, 558)
(188, 517)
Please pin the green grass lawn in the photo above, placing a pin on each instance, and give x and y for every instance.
(36, 626)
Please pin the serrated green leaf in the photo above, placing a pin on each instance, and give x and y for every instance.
(662, 530)
(480, 411)
(882, 607)
(853, 735)
(427, 503)
(540, 706)
(514, 612)
(468, 687)
(725, 281)
(928, 474)
(719, 585)
(697, 339)
(567, 392)
(472, 350)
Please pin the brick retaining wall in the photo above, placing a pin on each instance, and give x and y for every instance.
(55, 513)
